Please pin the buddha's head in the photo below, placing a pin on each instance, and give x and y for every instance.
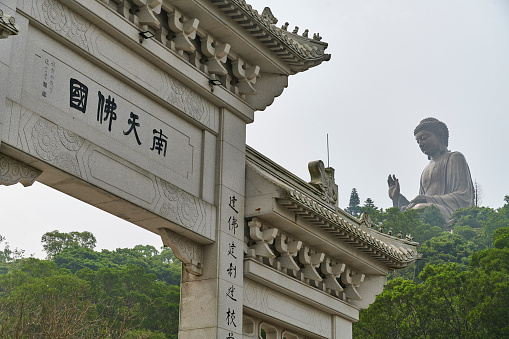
(432, 136)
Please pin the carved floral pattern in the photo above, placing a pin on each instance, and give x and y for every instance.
(13, 171)
(56, 145)
(63, 21)
(188, 101)
(180, 206)
(70, 140)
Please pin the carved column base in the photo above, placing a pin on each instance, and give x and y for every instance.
(188, 251)
(13, 171)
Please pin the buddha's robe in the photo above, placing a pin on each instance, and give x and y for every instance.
(446, 183)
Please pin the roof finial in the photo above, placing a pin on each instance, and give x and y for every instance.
(267, 15)
(317, 37)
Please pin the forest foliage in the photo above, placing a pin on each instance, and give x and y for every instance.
(81, 293)
(460, 287)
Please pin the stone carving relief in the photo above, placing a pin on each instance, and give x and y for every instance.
(179, 205)
(65, 22)
(81, 32)
(185, 209)
(72, 153)
(13, 171)
(56, 145)
(190, 102)
(188, 251)
(323, 179)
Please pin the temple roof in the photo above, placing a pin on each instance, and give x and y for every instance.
(298, 51)
(305, 200)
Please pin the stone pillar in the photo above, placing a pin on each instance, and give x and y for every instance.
(341, 328)
(211, 303)
(8, 27)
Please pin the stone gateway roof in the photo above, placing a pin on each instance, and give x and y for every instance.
(298, 51)
(395, 254)
(307, 202)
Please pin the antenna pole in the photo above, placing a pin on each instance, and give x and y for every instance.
(328, 165)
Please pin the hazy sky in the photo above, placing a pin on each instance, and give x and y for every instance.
(393, 64)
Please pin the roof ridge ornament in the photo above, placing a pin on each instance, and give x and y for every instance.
(323, 179)
(297, 51)
(268, 16)
(365, 220)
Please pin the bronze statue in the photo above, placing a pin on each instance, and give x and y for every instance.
(445, 182)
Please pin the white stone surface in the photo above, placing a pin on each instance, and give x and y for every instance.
(276, 305)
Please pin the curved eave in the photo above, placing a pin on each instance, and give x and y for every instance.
(297, 52)
(323, 217)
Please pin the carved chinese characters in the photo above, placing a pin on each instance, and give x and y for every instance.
(230, 251)
(111, 114)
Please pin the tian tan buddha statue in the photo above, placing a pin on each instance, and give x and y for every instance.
(445, 182)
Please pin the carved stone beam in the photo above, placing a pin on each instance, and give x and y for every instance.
(332, 271)
(216, 53)
(13, 171)
(287, 249)
(246, 75)
(352, 281)
(147, 11)
(310, 262)
(185, 31)
(262, 238)
(188, 251)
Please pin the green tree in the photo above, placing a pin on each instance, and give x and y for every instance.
(449, 300)
(54, 242)
(163, 264)
(501, 238)
(41, 300)
(447, 248)
(7, 254)
(354, 204)
(412, 222)
(369, 203)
